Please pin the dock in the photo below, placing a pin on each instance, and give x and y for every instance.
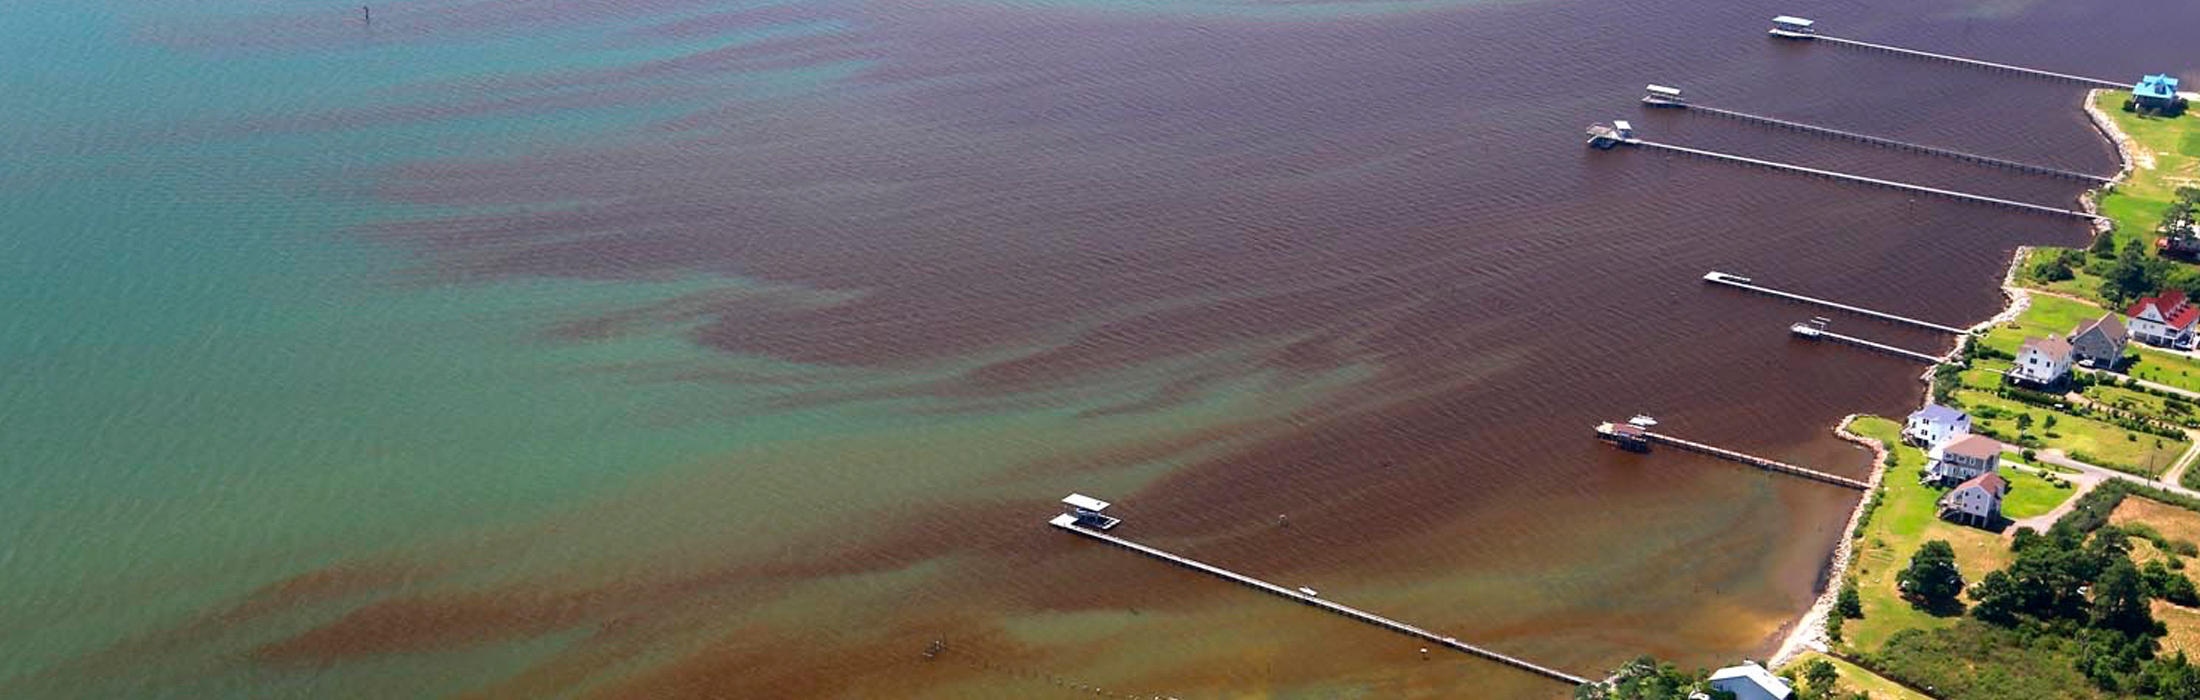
(1070, 523)
(1787, 27)
(1620, 433)
(1656, 100)
(1846, 177)
(1817, 331)
(1740, 282)
(2092, 82)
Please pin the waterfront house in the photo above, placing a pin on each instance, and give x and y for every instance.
(2157, 93)
(2164, 320)
(2100, 342)
(1976, 501)
(1963, 458)
(1934, 425)
(1750, 681)
(2041, 362)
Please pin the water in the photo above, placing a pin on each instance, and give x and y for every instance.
(722, 348)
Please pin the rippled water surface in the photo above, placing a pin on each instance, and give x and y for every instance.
(740, 348)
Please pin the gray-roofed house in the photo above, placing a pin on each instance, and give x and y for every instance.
(1750, 681)
(2100, 341)
(1934, 425)
(1963, 458)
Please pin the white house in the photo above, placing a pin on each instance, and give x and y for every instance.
(1976, 501)
(2042, 361)
(1963, 458)
(2164, 320)
(1750, 681)
(1934, 425)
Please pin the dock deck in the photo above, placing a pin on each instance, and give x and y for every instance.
(1069, 523)
(1740, 282)
(1607, 430)
(1883, 142)
(1776, 165)
(1810, 332)
(2095, 82)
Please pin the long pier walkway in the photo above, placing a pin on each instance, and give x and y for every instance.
(2095, 82)
(1612, 432)
(1890, 143)
(1812, 332)
(1776, 165)
(1740, 282)
(1069, 523)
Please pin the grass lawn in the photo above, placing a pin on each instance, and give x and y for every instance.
(2166, 368)
(2045, 315)
(2174, 146)
(2084, 438)
(2136, 401)
(2031, 495)
(1855, 679)
(1904, 521)
(2081, 283)
(1984, 374)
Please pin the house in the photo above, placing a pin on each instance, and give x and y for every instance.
(1963, 458)
(1977, 500)
(2158, 93)
(2099, 343)
(1934, 425)
(2042, 361)
(2164, 320)
(1750, 681)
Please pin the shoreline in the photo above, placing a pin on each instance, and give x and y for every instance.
(1808, 631)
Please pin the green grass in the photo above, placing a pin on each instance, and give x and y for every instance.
(1985, 375)
(1906, 520)
(2102, 444)
(1854, 679)
(2166, 368)
(2045, 315)
(2081, 283)
(2136, 401)
(2030, 495)
(2137, 203)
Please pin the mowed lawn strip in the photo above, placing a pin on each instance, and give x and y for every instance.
(1905, 520)
(2030, 495)
(2086, 439)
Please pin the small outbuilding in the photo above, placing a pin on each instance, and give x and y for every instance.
(1086, 510)
(1793, 27)
(2157, 93)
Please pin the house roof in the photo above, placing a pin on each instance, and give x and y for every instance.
(2161, 86)
(1755, 674)
(1992, 482)
(1937, 413)
(2050, 346)
(1973, 446)
(2171, 305)
(2107, 324)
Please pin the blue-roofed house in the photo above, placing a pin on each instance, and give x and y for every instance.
(2157, 93)
(1934, 425)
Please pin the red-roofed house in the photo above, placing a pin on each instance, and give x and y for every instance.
(2164, 320)
(1977, 501)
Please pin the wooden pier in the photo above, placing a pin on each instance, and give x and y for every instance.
(1882, 142)
(2094, 82)
(1740, 282)
(1610, 431)
(1068, 522)
(1776, 165)
(1810, 331)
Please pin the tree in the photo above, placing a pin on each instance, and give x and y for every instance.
(1850, 603)
(2133, 275)
(2120, 601)
(1932, 577)
(2024, 422)
(1822, 675)
(2104, 245)
(1999, 598)
(2050, 424)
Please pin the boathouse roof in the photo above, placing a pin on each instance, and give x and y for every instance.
(1791, 20)
(2159, 86)
(1078, 500)
(1936, 413)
